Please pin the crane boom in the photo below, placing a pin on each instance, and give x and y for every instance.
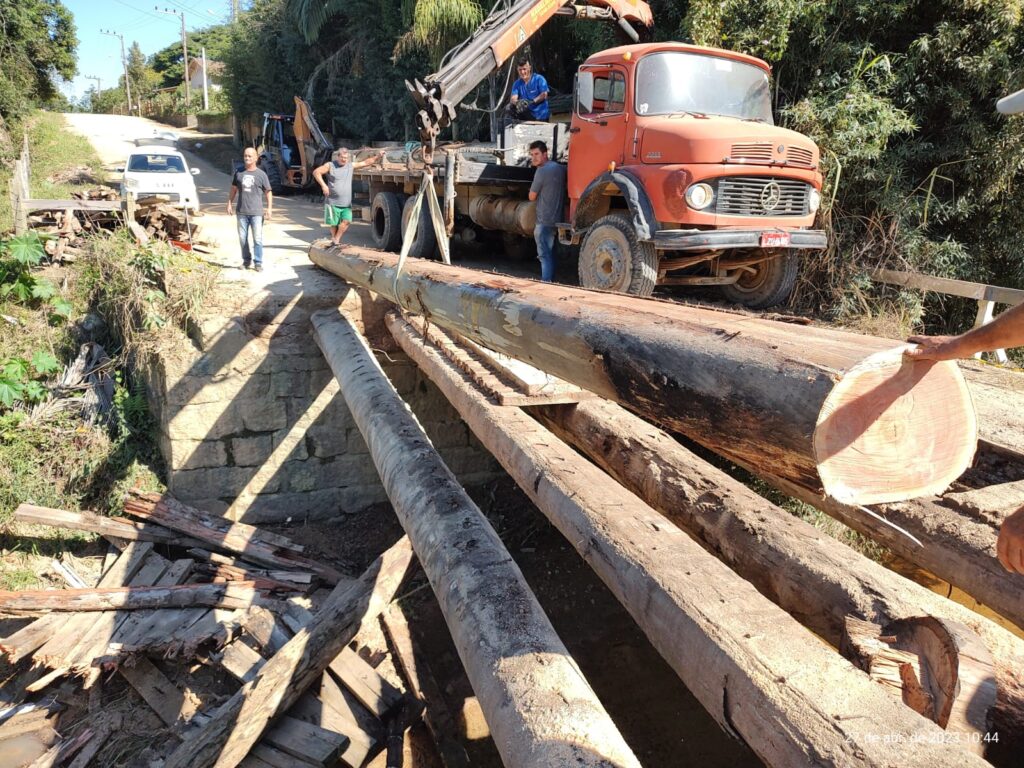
(507, 28)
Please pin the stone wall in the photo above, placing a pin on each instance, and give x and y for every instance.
(252, 423)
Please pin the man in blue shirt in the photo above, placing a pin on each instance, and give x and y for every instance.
(533, 90)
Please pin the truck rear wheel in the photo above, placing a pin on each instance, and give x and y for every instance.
(770, 283)
(386, 221)
(424, 244)
(613, 259)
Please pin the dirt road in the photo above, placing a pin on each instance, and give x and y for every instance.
(295, 224)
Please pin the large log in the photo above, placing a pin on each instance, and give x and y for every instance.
(537, 703)
(956, 547)
(238, 724)
(815, 578)
(760, 674)
(815, 405)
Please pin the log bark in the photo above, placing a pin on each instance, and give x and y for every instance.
(226, 739)
(956, 547)
(539, 706)
(760, 674)
(814, 405)
(235, 595)
(815, 578)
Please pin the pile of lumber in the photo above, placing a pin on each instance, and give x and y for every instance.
(64, 223)
(181, 587)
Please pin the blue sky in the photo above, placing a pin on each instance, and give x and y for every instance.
(99, 55)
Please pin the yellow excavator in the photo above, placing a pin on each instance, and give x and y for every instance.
(290, 147)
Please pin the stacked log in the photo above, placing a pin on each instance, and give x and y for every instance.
(823, 408)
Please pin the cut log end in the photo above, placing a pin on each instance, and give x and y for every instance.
(895, 429)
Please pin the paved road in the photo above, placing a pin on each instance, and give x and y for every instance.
(296, 223)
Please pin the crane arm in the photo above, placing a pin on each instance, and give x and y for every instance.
(507, 28)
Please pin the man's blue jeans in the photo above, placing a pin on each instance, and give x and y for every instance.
(544, 235)
(255, 223)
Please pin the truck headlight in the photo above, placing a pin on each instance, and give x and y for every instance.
(700, 196)
(814, 200)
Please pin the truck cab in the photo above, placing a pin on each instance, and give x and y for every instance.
(677, 175)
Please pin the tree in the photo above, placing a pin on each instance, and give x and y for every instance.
(38, 45)
(139, 78)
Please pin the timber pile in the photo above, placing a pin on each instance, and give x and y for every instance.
(805, 407)
(235, 598)
(152, 217)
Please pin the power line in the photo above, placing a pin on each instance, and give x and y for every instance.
(124, 63)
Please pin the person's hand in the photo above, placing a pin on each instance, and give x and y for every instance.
(1010, 546)
(230, 208)
(270, 214)
(936, 348)
(325, 190)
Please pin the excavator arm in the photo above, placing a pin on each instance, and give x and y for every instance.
(509, 25)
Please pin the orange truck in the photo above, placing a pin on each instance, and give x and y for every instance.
(677, 174)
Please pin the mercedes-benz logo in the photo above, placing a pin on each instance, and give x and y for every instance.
(771, 194)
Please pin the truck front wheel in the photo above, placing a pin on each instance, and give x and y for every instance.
(386, 221)
(765, 284)
(612, 258)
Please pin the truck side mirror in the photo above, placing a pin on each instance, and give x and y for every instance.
(584, 92)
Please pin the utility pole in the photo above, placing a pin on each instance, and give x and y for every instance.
(206, 85)
(184, 50)
(124, 63)
(234, 11)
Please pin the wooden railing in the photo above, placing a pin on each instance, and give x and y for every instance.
(987, 296)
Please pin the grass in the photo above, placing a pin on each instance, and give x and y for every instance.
(59, 161)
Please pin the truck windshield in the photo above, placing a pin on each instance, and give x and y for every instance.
(672, 82)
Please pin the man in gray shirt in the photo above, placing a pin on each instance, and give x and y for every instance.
(548, 191)
(335, 180)
(251, 186)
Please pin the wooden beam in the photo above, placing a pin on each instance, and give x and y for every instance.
(540, 708)
(229, 735)
(105, 526)
(967, 290)
(752, 666)
(232, 594)
(817, 405)
(161, 694)
(817, 579)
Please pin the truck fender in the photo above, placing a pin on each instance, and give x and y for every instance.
(640, 207)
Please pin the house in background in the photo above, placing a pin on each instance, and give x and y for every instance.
(214, 73)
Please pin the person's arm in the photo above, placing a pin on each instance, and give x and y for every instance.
(1004, 332)
(1010, 546)
(543, 96)
(515, 92)
(318, 174)
(378, 158)
(536, 185)
(231, 196)
(270, 203)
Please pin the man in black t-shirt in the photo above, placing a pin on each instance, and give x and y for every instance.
(251, 186)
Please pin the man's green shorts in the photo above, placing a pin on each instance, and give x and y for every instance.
(333, 215)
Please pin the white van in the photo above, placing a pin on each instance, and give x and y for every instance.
(156, 170)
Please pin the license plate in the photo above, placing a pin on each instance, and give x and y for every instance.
(775, 239)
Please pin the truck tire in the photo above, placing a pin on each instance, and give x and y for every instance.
(612, 258)
(424, 245)
(386, 221)
(770, 283)
(270, 168)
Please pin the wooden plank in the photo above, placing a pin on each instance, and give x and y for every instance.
(232, 594)
(241, 661)
(275, 758)
(61, 752)
(305, 741)
(372, 690)
(27, 722)
(239, 723)
(976, 291)
(43, 204)
(423, 685)
(105, 526)
(242, 539)
(94, 745)
(156, 690)
(68, 574)
(263, 627)
(362, 744)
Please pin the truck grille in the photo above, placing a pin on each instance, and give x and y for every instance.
(758, 152)
(761, 196)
